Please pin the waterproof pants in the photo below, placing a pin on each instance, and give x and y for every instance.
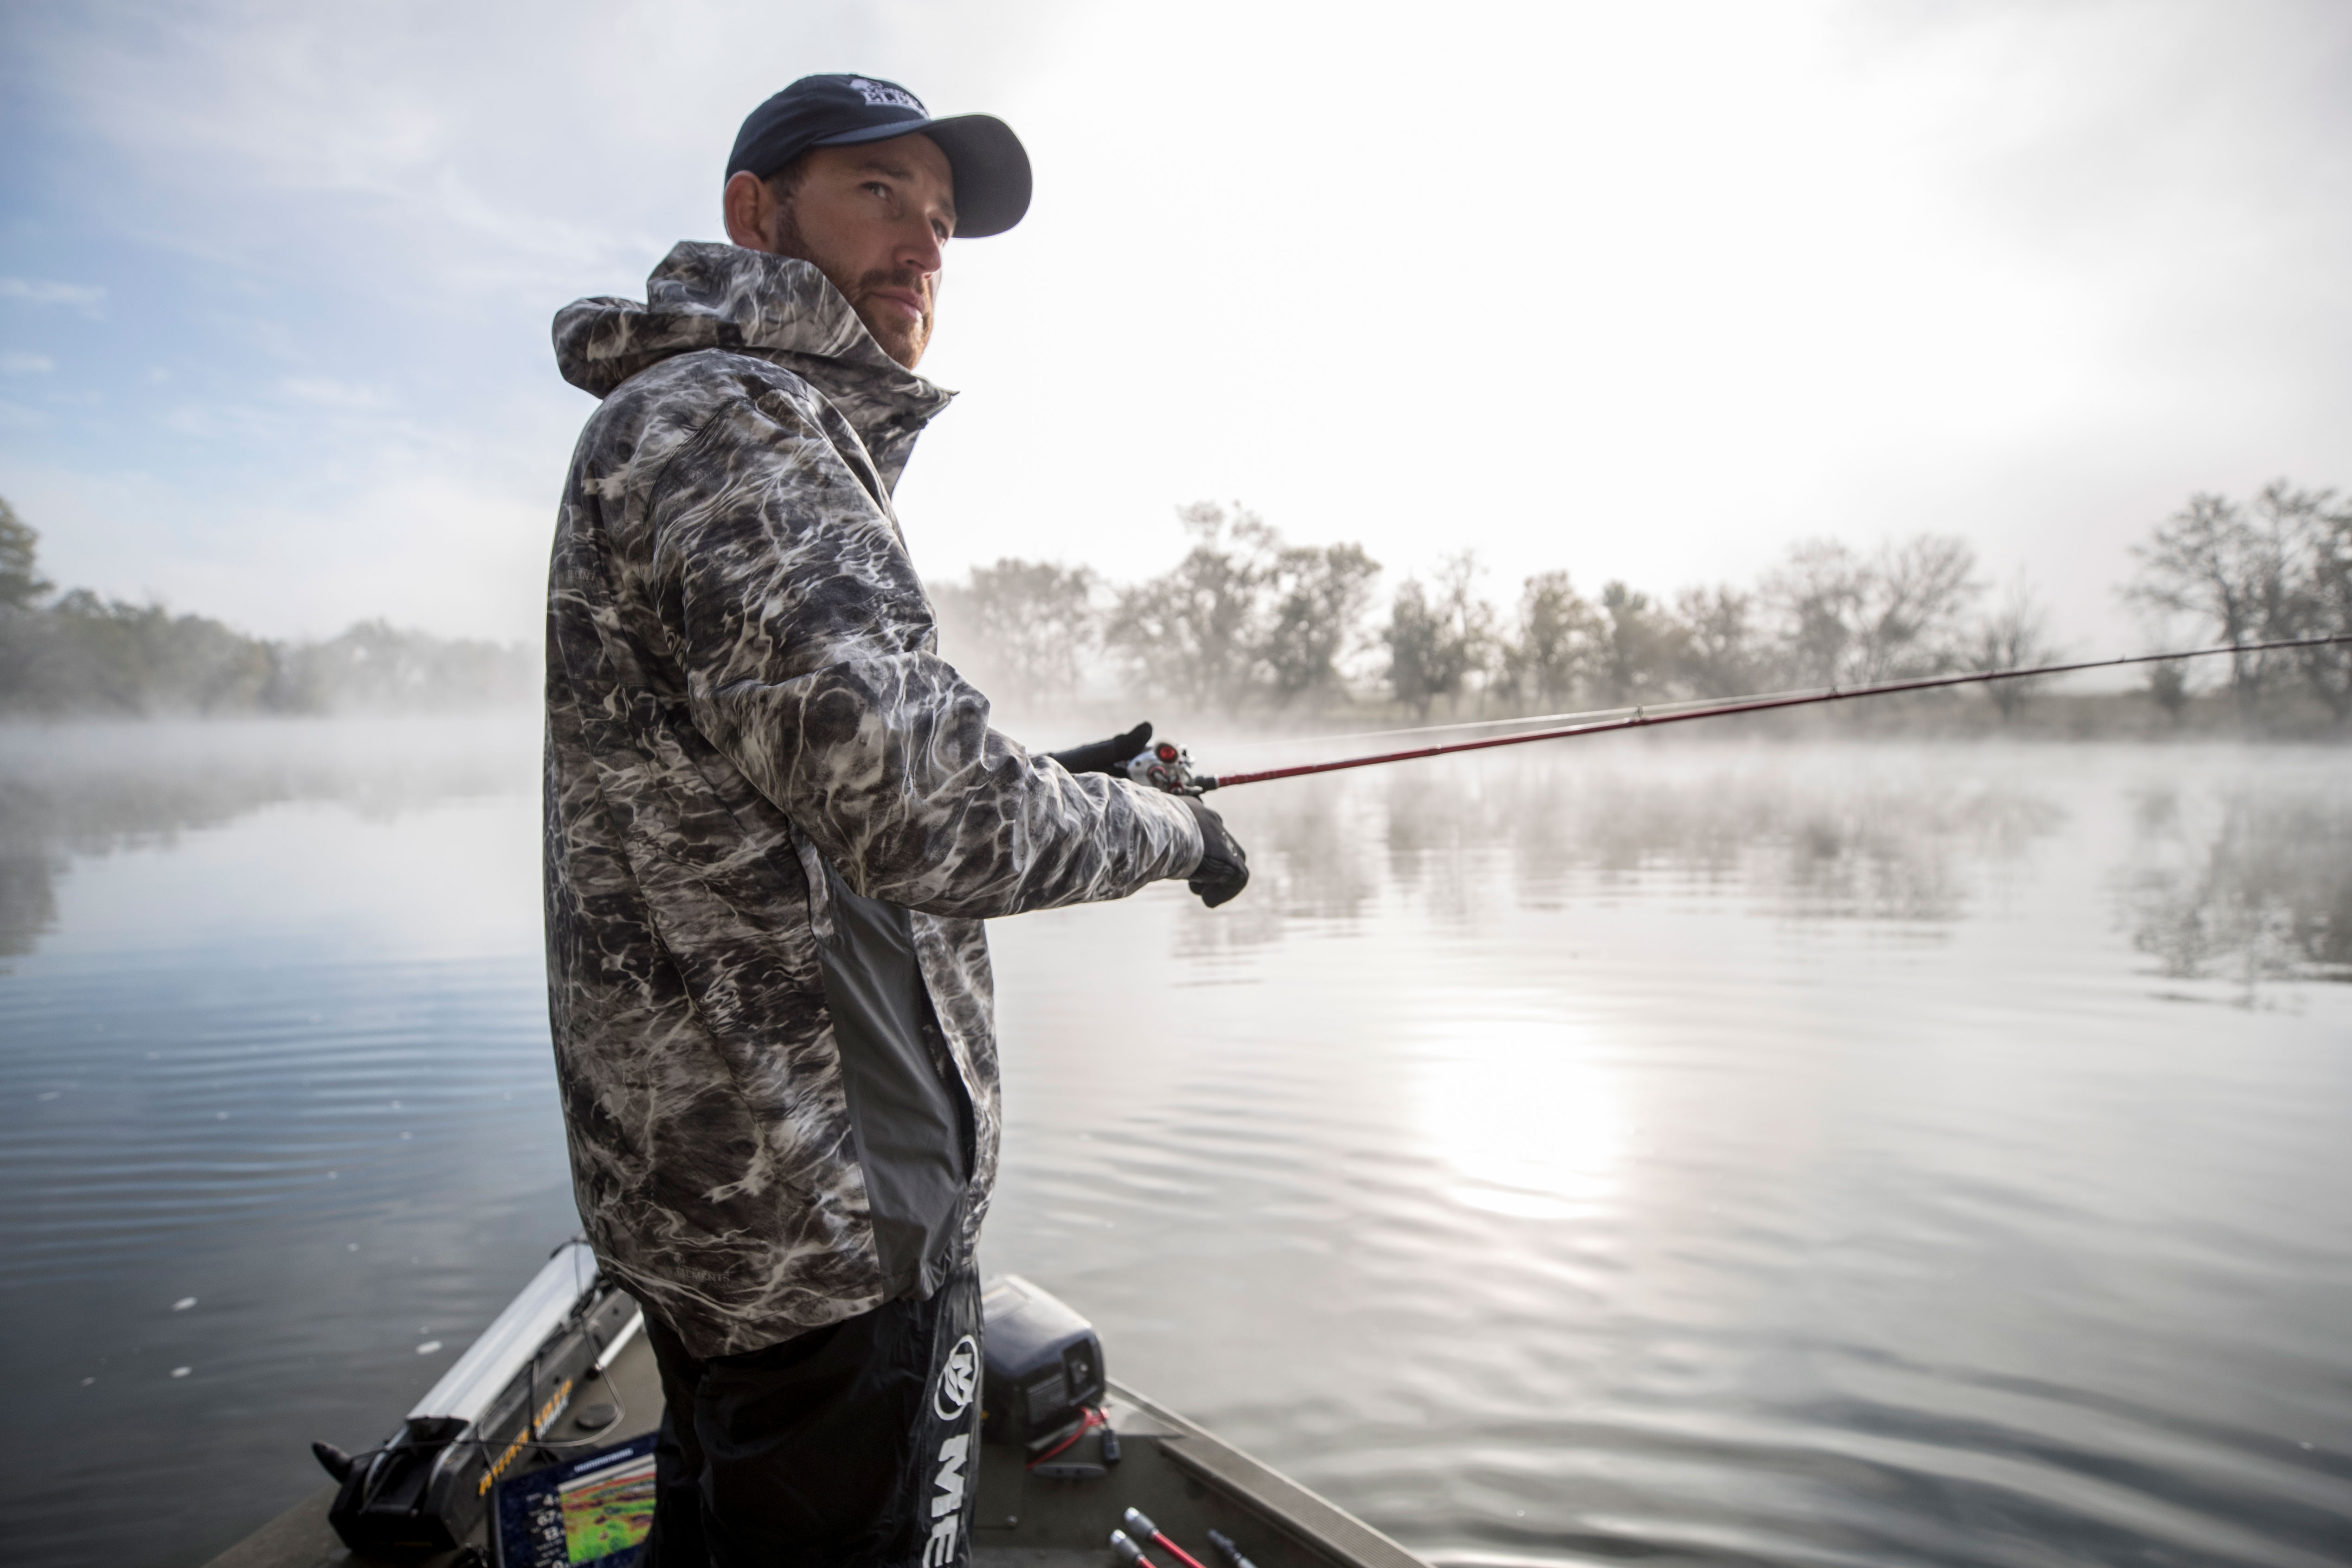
(853, 1445)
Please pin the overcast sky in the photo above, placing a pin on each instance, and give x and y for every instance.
(1642, 290)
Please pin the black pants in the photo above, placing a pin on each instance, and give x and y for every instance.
(853, 1445)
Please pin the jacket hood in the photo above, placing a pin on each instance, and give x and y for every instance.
(708, 296)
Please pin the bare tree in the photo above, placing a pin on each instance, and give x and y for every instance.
(1556, 639)
(2320, 596)
(1916, 602)
(1720, 656)
(1438, 636)
(1195, 631)
(1817, 596)
(2014, 637)
(1640, 646)
(2230, 571)
(1320, 595)
(1845, 620)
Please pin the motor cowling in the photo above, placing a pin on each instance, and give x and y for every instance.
(1043, 1365)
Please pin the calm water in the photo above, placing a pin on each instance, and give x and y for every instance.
(1698, 1153)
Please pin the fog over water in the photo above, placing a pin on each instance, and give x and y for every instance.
(1705, 1151)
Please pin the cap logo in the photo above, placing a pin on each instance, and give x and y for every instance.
(882, 95)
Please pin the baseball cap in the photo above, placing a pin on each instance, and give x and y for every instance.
(991, 170)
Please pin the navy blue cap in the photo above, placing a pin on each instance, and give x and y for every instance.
(991, 170)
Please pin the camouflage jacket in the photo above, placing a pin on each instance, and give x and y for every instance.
(775, 819)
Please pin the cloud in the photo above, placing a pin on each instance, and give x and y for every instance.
(225, 421)
(25, 365)
(40, 291)
(327, 392)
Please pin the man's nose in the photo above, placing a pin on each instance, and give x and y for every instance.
(920, 249)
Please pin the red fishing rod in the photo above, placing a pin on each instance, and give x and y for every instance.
(1167, 766)
(1140, 1522)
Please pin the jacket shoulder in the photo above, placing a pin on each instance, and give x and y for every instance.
(703, 379)
(651, 416)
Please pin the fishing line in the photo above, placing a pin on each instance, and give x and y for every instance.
(1175, 772)
(1583, 715)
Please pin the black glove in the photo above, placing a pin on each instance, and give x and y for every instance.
(1223, 870)
(1109, 756)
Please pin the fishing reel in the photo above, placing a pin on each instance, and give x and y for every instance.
(1165, 765)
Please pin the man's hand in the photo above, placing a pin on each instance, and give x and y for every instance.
(1223, 870)
(1106, 756)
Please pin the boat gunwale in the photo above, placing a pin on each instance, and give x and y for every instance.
(1301, 1513)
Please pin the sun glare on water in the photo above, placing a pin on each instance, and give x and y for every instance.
(1527, 1114)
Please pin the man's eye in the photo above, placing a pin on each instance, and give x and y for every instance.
(877, 187)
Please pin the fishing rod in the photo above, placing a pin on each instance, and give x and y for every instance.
(1167, 766)
(1140, 1522)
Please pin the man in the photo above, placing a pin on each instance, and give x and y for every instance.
(775, 821)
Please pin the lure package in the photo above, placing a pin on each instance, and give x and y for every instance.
(593, 1513)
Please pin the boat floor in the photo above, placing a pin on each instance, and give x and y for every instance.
(1188, 1481)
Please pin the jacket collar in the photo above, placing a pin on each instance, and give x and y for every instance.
(706, 296)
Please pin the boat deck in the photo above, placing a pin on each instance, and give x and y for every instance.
(1188, 1481)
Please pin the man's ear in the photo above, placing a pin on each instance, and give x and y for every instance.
(746, 204)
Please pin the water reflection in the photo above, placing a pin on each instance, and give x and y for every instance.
(2244, 886)
(91, 790)
(276, 1047)
(1818, 833)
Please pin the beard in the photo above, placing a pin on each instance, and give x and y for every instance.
(901, 339)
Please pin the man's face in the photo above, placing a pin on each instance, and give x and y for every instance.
(875, 219)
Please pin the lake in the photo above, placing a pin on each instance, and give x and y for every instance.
(1697, 1150)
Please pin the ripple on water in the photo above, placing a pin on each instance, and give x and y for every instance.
(1692, 1153)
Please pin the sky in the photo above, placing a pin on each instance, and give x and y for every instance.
(1646, 292)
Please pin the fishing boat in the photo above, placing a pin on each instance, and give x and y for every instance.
(536, 1448)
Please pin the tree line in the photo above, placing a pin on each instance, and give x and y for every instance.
(1247, 622)
(2275, 569)
(79, 653)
